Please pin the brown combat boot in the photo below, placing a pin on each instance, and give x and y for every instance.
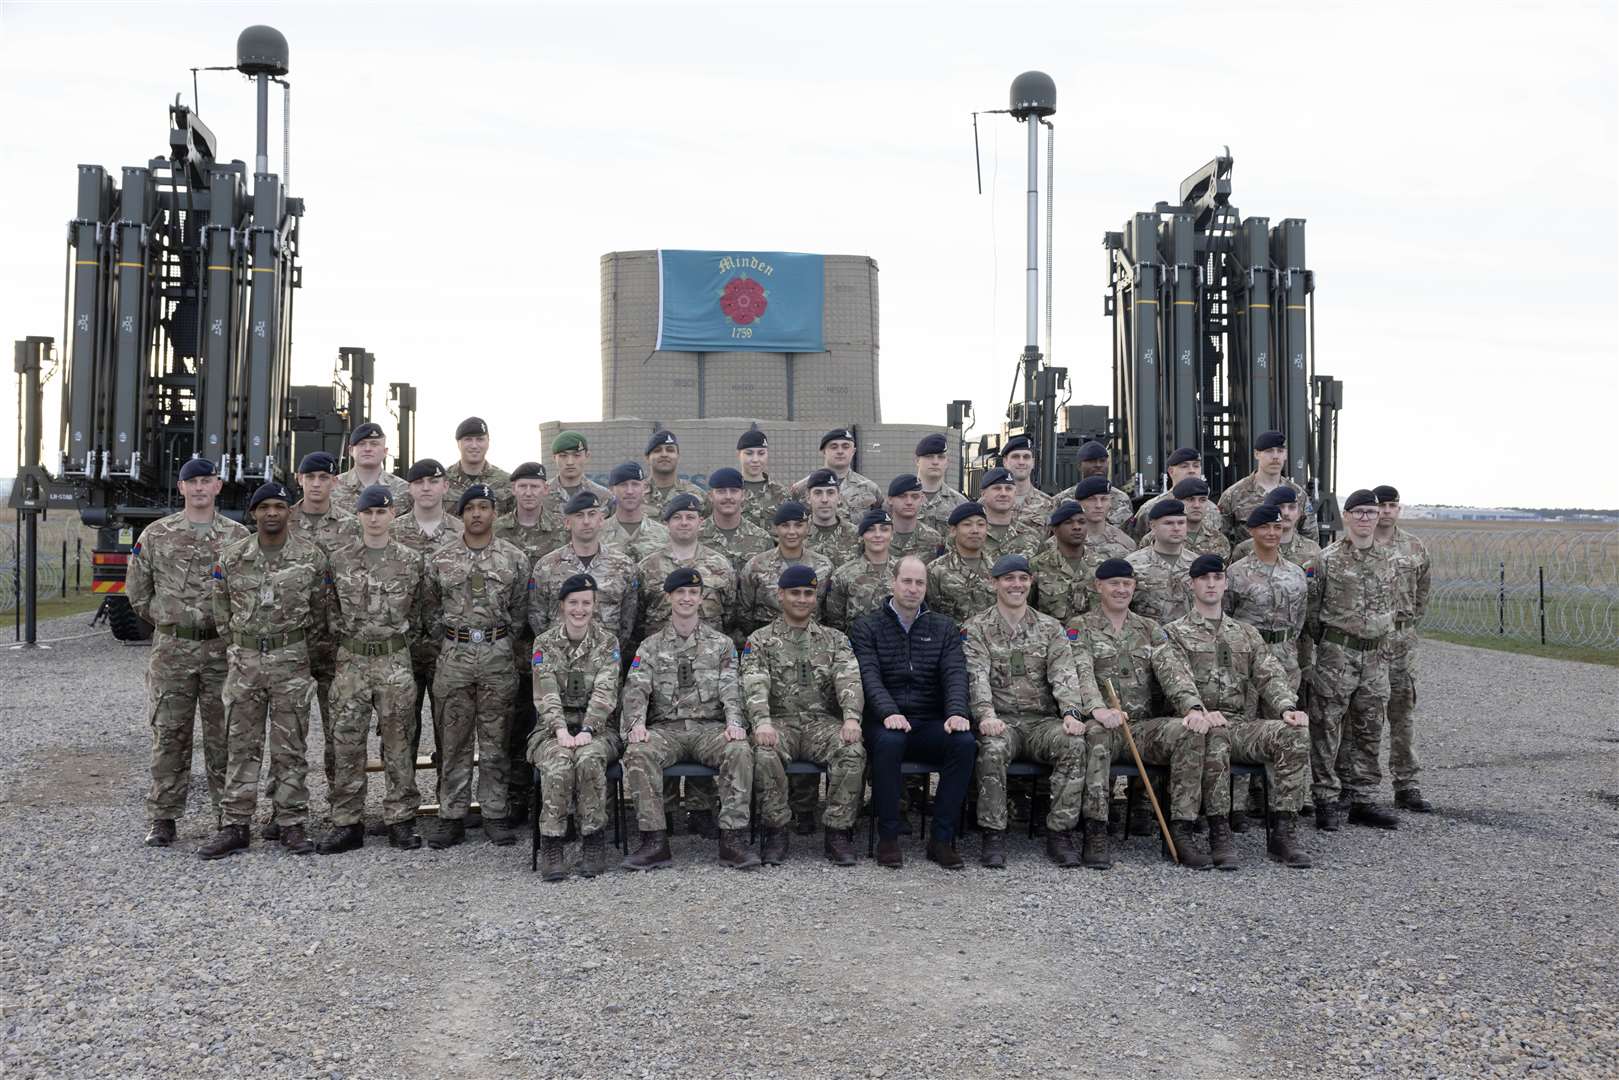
(1188, 846)
(652, 853)
(737, 853)
(889, 853)
(593, 854)
(840, 847)
(944, 853)
(552, 867)
(296, 840)
(227, 841)
(1060, 848)
(993, 855)
(1095, 855)
(1222, 849)
(161, 834)
(1283, 842)
(773, 846)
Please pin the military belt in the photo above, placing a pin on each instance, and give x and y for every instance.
(477, 635)
(1276, 637)
(188, 633)
(1350, 641)
(268, 643)
(374, 648)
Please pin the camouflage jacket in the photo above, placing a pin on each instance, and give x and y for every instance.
(759, 602)
(1299, 550)
(266, 592)
(1140, 526)
(476, 589)
(346, 492)
(575, 682)
(657, 497)
(1268, 597)
(499, 481)
(1353, 591)
(720, 594)
(1229, 662)
(1064, 587)
(859, 494)
(683, 680)
(1018, 538)
(1113, 543)
(1237, 500)
(408, 531)
(649, 536)
(856, 588)
(1020, 675)
(1034, 506)
(763, 497)
(1413, 570)
(1119, 511)
(618, 588)
(1206, 540)
(1146, 672)
(558, 495)
(799, 674)
(170, 577)
(739, 544)
(328, 530)
(381, 595)
(535, 541)
(958, 588)
(1163, 591)
(936, 506)
(839, 543)
(924, 541)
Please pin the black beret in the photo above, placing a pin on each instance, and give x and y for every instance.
(682, 577)
(1182, 456)
(630, 470)
(1386, 493)
(1063, 511)
(576, 583)
(1206, 564)
(1017, 442)
(472, 425)
(873, 517)
(1358, 498)
(821, 478)
(1280, 494)
(1090, 486)
(1009, 564)
(660, 438)
(197, 466)
(1166, 508)
(904, 484)
(1192, 485)
(1263, 514)
(477, 491)
(1092, 451)
(995, 476)
(797, 576)
(683, 501)
(1112, 568)
(788, 511)
(930, 444)
(271, 490)
(528, 470)
(965, 511)
(836, 434)
(373, 497)
(585, 500)
(1270, 440)
(753, 440)
(425, 469)
(367, 430)
(318, 462)
(724, 478)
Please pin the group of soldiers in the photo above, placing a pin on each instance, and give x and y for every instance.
(558, 626)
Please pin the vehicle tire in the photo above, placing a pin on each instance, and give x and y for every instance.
(126, 625)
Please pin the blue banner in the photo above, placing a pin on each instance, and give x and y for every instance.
(727, 301)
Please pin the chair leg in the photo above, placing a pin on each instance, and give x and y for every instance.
(534, 820)
(871, 818)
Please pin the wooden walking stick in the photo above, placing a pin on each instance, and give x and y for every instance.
(1141, 768)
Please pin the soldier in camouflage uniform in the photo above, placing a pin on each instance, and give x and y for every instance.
(759, 602)
(1233, 670)
(378, 613)
(477, 599)
(683, 517)
(798, 679)
(368, 448)
(938, 497)
(572, 454)
(1105, 539)
(1064, 568)
(270, 591)
(1025, 698)
(576, 676)
(1296, 548)
(1202, 536)
(170, 585)
(912, 535)
(959, 585)
(1006, 533)
(830, 532)
(1352, 602)
(473, 467)
(1029, 502)
(629, 530)
(860, 584)
(682, 703)
(1113, 646)
(663, 461)
(1093, 463)
(730, 525)
(763, 494)
(1163, 591)
(1180, 464)
(1413, 575)
(617, 586)
(317, 520)
(1270, 457)
(837, 454)
(425, 529)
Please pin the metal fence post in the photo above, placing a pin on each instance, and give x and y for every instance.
(1501, 601)
(78, 564)
(64, 569)
(1543, 605)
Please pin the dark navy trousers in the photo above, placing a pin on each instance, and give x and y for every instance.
(952, 753)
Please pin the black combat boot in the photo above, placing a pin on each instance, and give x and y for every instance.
(1283, 843)
(703, 823)
(227, 841)
(552, 867)
(1238, 821)
(1095, 854)
(804, 824)
(403, 835)
(1411, 799)
(736, 852)
(840, 847)
(994, 852)
(1060, 848)
(773, 846)
(377, 827)
(499, 832)
(1188, 846)
(271, 831)
(161, 834)
(450, 832)
(1222, 850)
(1371, 815)
(593, 854)
(296, 840)
(1328, 818)
(651, 854)
(342, 838)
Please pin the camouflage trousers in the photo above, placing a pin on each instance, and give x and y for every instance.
(1349, 695)
(276, 684)
(473, 688)
(573, 779)
(1287, 654)
(814, 739)
(365, 686)
(1402, 660)
(703, 742)
(185, 681)
(1166, 740)
(1283, 750)
(1043, 741)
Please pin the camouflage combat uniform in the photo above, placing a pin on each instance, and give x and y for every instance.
(1274, 600)
(805, 683)
(739, 544)
(558, 495)
(1017, 538)
(859, 493)
(720, 598)
(936, 506)
(856, 588)
(536, 541)
(170, 585)
(1352, 603)
(1035, 507)
(760, 602)
(499, 481)
(1163, 590)
(575, 686)
(1064, 588)
(1112, 542)
(761, 500)
(1206, 539)
(617, 589)
(1413, 572)
(1299, 550)
(1141, 524)
(924, 541)
(1024, 676)
(657, 497)
(839, 542)
(1119, 510)
(269, 601)
(960, 588)
(329, 531)
(1240, 498)
(425, 649)
(346, 492)
(647, 536)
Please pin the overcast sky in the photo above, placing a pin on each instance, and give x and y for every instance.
(466, 166)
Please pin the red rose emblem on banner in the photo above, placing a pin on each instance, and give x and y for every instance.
(743, 300)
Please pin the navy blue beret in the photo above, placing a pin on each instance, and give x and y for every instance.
(682, 577)
(1091, 486)
(476, 491)
(836, 434)
(1192, 485)
(797, 576)
(965, 511)
(1182, 456)
(528, 470)
(1166, 508)
(630, 470)
(1092, 451)
(1009, 564)
(789, 511)
(367, 430)
(425, 469)
(576, 583)
(472, 425)
(585, 500)
(1280, 494)
(1206, 564)
(1358, 498)
(753, 440)
(272, 490)
(684, 501)
(1270, 440)
(821, 478)
(873, 517)
(318, 462)
(904, 484)
(930, 444)
(1386, 493)
(1112, 568)
(995, 476)
(1263, 514)
(1017, 442)
(197, 466)
(373, 497)
(660, 438)
(1063, 511)
(724, 478)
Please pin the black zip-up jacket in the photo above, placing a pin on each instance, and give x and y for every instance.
(922, 675)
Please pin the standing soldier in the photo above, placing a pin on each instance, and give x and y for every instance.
(271, 590)
(763, 494)
(663, 459)
(1412, 569)
(1007, 534)
(912, 535)
(1064, 568)
(530, 525)
(616, 582)
(1270, 457)
(860, 584)
(425, 529)
(798, 678)
(760, 602)
(938, 497)
(683, 517)
(830, 532)
(473, 467)
(378, 614)
(572, 455)
(1163, 591)
(576, 671)
(730, 526)
(1025, 697)
(1180, 464)
(1234, 670)
(1107, 540)
(1295, 547)
(1029, 502)
(959, 584)
(629, 530)
(317, 520)
(681, 703)
(368, 448)
(1202, 536)
(1352, 601)
(837, 455)
(170, 586)
(477, 598)
(1093, 463)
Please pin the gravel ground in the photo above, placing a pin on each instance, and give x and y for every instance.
(1476, 942)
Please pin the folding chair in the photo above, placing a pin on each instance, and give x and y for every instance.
(615, 795)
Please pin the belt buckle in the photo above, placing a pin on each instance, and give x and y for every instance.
(265, 645)
(476, 637)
